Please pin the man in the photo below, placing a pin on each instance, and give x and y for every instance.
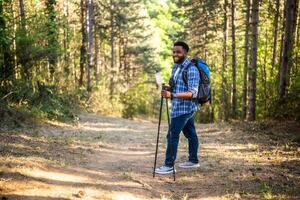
(183, 109)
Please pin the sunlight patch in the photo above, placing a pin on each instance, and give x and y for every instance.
(56, 176)
(124, 196)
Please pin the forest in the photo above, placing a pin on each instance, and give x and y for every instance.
(79, 102)
(57, 55)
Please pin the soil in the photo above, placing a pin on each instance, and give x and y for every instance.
(112, 158)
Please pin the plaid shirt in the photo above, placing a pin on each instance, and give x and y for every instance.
(181, 106)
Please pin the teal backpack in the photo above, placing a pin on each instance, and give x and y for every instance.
(204, 89)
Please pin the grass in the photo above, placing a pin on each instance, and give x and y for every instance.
(29, 104)
(69, 140)
(127, 176)
(163, 197)
(266, 191)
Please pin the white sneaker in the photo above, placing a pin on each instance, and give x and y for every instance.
(164, 170)
(188, 164)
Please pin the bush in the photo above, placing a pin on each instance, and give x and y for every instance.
(38, 100)
(137, 101)
(289, 107)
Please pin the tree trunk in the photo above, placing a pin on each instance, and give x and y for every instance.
(112, 46)
(66, 38)
(224, 66)
(125, 60)
(296, 68)
(22, 15)
(6, 66)
(294, 28)
(83, 41)
(205, 32)
(264, 73)
(253, 63)
(90, 24)
(245, 71)
(96, 59)
(281, 40)
(120, 51)
(275, 36)
(53, 44)
(286, 61)
(21, 46)
(234, 95)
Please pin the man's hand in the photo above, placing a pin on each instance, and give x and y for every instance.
(166, 88)
(166, 94)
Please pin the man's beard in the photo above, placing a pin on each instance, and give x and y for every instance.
(179, 61)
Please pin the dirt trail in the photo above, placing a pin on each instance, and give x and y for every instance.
(112, 158)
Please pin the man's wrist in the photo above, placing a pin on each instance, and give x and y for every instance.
(173, 95)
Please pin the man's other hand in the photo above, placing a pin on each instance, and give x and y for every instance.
(166, 94)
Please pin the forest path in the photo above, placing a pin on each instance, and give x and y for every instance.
(112, 158)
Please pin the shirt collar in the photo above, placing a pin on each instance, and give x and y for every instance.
(184, 63)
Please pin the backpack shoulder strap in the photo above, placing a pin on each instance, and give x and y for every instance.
(185, 72)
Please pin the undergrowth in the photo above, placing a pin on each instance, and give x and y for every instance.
(28, 103)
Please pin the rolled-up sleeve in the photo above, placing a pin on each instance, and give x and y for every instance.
(193, 80)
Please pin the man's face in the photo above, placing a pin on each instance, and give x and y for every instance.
(179, 54)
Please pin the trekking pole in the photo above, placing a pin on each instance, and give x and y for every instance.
(170, 133)
(160, 111)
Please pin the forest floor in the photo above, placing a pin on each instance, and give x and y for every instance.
(112, 158)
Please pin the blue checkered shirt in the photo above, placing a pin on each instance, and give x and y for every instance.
(182, 106)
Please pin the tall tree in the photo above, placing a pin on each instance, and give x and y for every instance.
(52, 29)
(275, 37)
(246, 55)
(288, 42)
(253, 61)
(6, 64)
(264, 73)
(112, 46)
(22, 43)
(294, 41)
(66, 39)
(282, 38)
(234, 95)
(90, 24)
(224, 65)
(83, 40)
(297, 43)
(22, 15)
(96, 53)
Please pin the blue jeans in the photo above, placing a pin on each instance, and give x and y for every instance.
(184, 123)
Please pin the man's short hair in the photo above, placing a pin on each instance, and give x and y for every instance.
(184, 45)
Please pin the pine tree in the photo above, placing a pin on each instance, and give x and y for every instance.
(275, 37)
(53, 45)
(253, 61)
(246, 60)
(234, 95)
(83, 56)
(224, 65)
(291, 7)
(6, 64)
(90, 24)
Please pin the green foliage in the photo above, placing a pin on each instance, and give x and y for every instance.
(134, 39)
(131, 100)
(266, 191)
(41, 100)
(136, 103)
(99, 101)
(204, 115)
(166, 28)
(289, 108)
(57, 104)
(6, 57)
